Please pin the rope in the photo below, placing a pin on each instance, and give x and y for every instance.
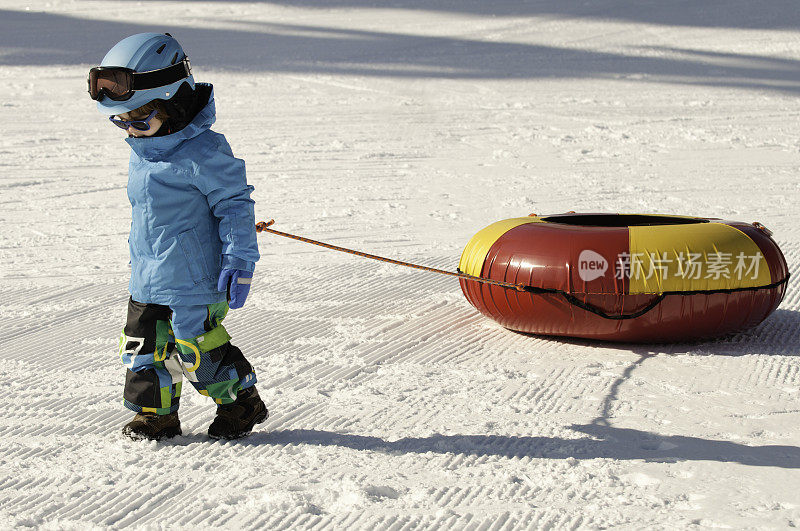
(263, 226)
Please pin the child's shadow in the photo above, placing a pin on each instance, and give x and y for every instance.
(597, 441)
(776, 336)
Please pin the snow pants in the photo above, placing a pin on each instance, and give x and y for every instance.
(161, 344)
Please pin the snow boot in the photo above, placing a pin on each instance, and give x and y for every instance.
(153, 427)
(237, 419)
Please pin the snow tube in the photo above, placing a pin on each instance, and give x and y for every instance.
(625, 277)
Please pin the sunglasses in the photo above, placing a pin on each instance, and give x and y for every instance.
(140, 125)
(118, 83)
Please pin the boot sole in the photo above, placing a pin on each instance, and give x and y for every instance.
(167, 433)
(261, 417)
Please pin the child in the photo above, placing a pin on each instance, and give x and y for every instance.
(192, 242)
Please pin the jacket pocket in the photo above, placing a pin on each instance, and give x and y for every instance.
(195, 261)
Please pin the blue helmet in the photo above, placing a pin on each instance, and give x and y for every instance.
(144, 52)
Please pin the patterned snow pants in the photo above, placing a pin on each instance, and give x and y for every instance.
(161, 344)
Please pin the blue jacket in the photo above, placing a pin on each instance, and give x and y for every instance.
(192, 214)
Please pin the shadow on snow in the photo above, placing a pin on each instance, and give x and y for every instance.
(778, 335)
(599, 439)
(745, 14)
(598, 442)
(36, 38)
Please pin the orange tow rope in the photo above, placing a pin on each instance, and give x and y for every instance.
(263, 226)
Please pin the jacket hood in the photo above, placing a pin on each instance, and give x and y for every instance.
(156, 147)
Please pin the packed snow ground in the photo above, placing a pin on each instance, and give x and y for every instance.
(402, 130)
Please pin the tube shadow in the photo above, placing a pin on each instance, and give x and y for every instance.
(31, 38)
(778, 335)
(596, 442)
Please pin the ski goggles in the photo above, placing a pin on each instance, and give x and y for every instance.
(119, 83)
(139, 125)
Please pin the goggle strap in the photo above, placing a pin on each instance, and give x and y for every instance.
(163, 77)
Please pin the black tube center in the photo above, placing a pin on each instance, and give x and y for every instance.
(619, 220)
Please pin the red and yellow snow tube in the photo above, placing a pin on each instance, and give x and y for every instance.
(625, 277)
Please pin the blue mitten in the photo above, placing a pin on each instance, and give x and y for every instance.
(237, 283)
